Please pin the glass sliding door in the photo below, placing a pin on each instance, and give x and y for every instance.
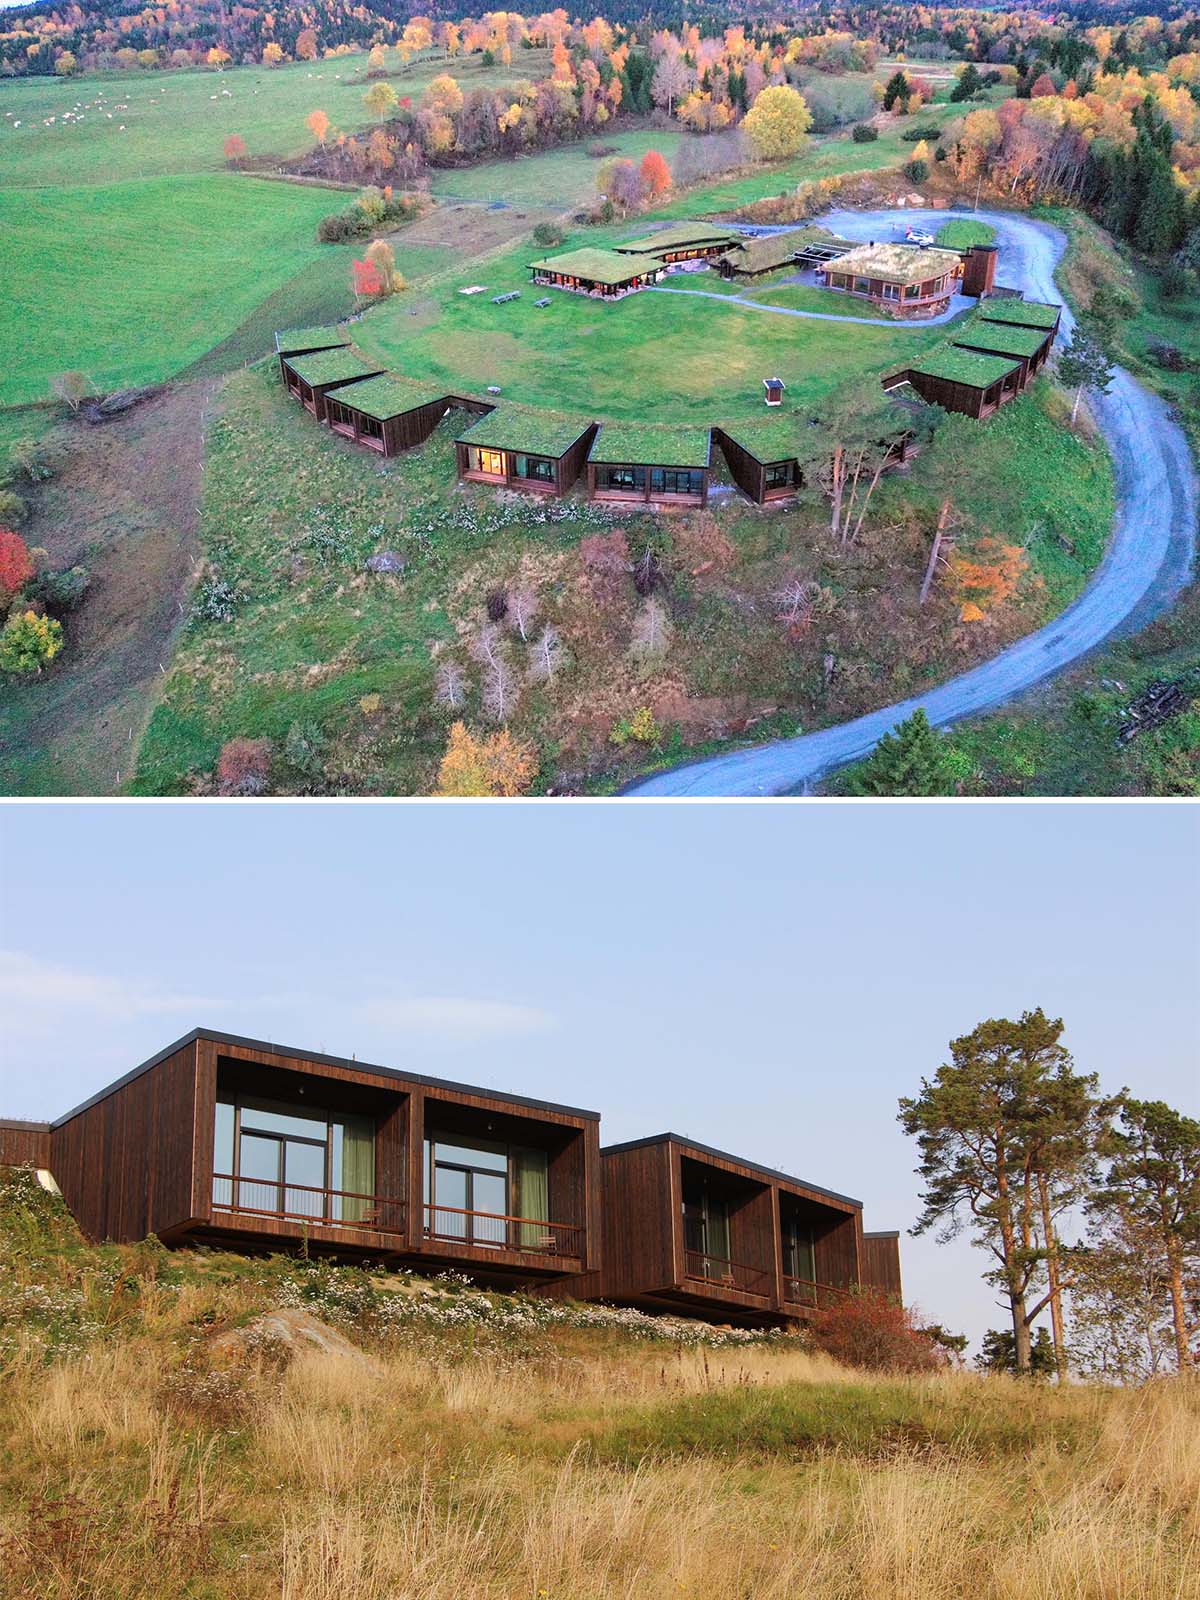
(487, 1193)
(706, 1233)
(276, 1158)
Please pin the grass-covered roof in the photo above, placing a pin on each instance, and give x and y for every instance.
(1025, 313)
(897, 263)
(1002, 339)
(295, 339)
(646, 445)
(964, 366)
(777, 249)
(539, 433)
(598, 266)
(331, 366)
(679, 236)
(776, 437)
(386, 396)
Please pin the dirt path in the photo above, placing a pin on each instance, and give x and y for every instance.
(1150, 558)
(125, 505)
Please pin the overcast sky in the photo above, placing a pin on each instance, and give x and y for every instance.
(766, 979)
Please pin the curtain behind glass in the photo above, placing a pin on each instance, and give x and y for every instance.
(533, 1195)
(718, 1230)
(358, 1165)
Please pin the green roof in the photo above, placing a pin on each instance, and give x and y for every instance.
(330, 366)
(896, 263)
(538, 433)
(677, 237)
(777, 249)
(964, 366)
(1026, 313)
(773, 437)
(600, 266)
(1003, 340)
(643, 444)
(387, 396)
(294, 339)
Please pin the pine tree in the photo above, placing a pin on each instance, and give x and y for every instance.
(896, 89)
(911, 761)
(1084, 364)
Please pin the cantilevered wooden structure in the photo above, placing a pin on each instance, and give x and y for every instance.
(908, 280)
(529, 450)
(680, 242)
(303, 341)
(764, 457)
(384, 413)
(691, 1229)
(310, 378)
(660, 466)
(602, 273)
(962, 380)
(241, 1144)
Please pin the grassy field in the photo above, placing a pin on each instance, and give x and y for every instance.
(462, 1446)
(962, 232)
(556, 179)
(150, 124)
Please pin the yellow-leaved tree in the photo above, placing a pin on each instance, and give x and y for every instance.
(497, 765)
(777, 123)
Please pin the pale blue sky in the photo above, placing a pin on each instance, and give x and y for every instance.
(767, 979)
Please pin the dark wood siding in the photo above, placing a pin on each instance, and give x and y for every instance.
(881, 1262)
(124, 1164)
(745, 470)
(24, 1144)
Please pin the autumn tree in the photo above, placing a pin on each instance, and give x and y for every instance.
(444, 96)
(498, 765)
(306, 45)
(980, 1124)
(28, 642)
(318, 126)
(16, 564)
(364, 280)
(235, 149)
(272, 54)
(672, 79)
(381, 100)
(777, 123)
(912, 760)
(655, 174)
(860, 433)
(1153, 1185)
(382, 258)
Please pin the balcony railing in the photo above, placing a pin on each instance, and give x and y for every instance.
(298, 1202)
(720, 1273)
(493, 1231)
(817, 1296)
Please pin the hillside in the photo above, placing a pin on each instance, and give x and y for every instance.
(469, 1445)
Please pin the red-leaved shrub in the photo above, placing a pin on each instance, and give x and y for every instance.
(244, 766)
(867, 1329)
(16, 564)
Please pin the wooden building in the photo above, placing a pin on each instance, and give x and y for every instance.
(527, 450)
(680, 242)
(763, 457)
(236, 1143)
(695, 1230)
(1019, 312)
(793, 248)
(962, 380)
(658, 466)
(1030, 346)
(311, 378)
(979, 269)
(239, 1144)
(303, 341)
(384, 413)
(908, 280)
(601, 273)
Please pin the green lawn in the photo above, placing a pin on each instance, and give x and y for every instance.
(145, 124)
(960, 233)
(667, 357)
(133, 281)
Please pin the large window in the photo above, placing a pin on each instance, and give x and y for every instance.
(799, 1257)
(293, 1161)
(676, 480)
(538, 468)
(489, 461)
(486, 1193)
(706, 1232)
(779, 475)
(624, 478)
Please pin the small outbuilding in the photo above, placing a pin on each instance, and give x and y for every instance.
(310, 378)
(962, 380)
(658, 466)
(528, 450)
(774, 391)
(908, 280)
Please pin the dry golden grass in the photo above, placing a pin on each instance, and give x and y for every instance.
(439, 1476)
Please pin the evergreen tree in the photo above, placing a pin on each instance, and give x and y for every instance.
(1160, 222)
(969, 83)
(911, 761)
(998, 1353)
(896, 89)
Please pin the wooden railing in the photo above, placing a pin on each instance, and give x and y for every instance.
(494, 1231)
(806, 1292)
(721, 1273)
(300, 1202)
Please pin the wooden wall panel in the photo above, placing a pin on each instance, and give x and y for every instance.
(745, 470)
(639, 1249)
(24, 1144)
(881, 1263)
(837, 1251)
(124, 1164)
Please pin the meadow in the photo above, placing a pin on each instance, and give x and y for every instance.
(460, 1446)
